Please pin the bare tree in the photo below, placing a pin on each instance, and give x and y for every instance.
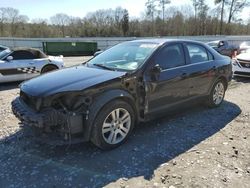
(162, 4)
(118, 15)
(116, 22)
(195, 5)
(13, 18)
(150, 12)
(3, 19)
(61, 20)
(202, 9)
(235, 7)
(125, 22)
(39, 21)
(102, 22)
(75, 26)
(151, 9)
(222, 3)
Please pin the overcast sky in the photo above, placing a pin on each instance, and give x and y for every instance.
(47, 8)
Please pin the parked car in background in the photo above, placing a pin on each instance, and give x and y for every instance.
(224, 47)
(241, 64)
(25, 63)
(3, 48)
(244, 46)
(102, 100)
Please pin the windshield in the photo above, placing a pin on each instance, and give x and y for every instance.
(4, 53)
(128, 56)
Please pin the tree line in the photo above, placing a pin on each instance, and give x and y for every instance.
(160, 18)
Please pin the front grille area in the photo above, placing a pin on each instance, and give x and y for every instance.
(28, 100)
(245, 64)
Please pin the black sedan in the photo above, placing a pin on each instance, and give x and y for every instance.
(135, 81)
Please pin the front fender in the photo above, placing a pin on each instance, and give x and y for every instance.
(99, 103)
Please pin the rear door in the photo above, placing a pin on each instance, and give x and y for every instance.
(201, 68)
(169, 86)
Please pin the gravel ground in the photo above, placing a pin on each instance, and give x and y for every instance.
(198, 147)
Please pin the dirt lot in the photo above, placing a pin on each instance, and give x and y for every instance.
(198, 147)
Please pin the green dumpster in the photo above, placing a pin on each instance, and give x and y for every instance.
(70, 48)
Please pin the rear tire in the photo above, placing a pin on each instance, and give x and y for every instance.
(48, 68)
(217, 94)
(113, 125)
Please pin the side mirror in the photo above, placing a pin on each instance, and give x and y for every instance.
(9, 58)
(156, 69)
(155, 72)
(221, 43)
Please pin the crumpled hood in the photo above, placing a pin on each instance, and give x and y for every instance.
(69, 79)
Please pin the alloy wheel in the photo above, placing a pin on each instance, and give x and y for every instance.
(218, 94)
(116, 126)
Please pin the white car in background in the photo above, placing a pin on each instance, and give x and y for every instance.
(25, 63)
(241, 64)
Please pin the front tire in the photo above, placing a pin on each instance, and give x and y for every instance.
(217, 94)
(113, 125)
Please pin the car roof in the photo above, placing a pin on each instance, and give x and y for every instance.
(161, 41)
(36, 52)
(24, 48)
(214, 41)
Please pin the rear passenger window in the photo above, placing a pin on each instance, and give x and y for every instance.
(197, 53)
(171, 56)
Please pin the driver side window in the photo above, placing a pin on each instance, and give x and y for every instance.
(171, 56)
(22, 55)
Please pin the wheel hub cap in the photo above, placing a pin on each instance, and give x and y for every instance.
(116, 126)
(218, 93)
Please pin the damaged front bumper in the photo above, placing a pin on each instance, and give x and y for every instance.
(241, 68)
(53, 127)
(25, 114)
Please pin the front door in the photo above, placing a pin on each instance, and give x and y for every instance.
(170, 85)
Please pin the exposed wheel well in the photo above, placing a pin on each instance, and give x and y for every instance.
(127, 100)
(101, 102)
(131, 103)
